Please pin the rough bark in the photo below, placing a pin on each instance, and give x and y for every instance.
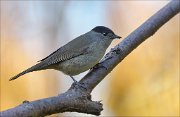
(77, 98)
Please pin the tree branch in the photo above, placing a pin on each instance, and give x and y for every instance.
(78, 99)
(120, 51)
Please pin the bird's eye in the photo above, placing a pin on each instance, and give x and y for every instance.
(105, 34)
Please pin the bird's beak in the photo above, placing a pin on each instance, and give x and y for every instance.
(116, 36)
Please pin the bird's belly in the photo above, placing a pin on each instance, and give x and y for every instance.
(79, 64)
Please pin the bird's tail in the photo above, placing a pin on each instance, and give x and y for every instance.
(36, 67)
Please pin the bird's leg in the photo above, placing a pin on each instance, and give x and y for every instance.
(74, 79)
(77, 83)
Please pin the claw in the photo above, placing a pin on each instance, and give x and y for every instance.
(99, 65)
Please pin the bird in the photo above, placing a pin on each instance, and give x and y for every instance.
(78, 55)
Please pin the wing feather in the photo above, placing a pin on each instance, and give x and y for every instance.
(59, 57)
(70, 50)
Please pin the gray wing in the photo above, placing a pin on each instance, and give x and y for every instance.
(60, 56)
(74, 48)
(49, 55)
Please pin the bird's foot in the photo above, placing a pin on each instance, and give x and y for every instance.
(79, 85)
(76, 83)
(98, 66)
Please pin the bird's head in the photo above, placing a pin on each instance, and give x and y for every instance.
(105, 32)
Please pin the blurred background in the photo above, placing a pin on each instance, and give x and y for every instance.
(145, 83)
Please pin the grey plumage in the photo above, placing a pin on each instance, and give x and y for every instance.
(78, 55)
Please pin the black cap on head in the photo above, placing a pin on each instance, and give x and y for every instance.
(102, 29)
